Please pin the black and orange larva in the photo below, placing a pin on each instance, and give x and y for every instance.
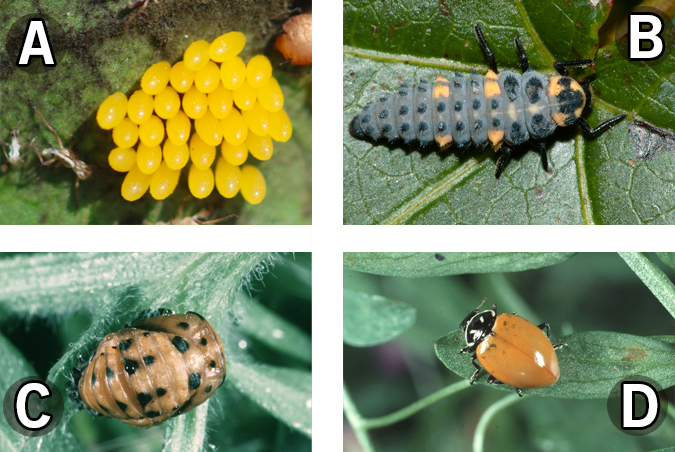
(163, 365)
(505, 110)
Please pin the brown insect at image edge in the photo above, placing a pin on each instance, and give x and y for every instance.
(294, 40)
(162, 365)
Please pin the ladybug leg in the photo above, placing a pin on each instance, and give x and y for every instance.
(601, 127)
(522, 56)
(564, 344)
(561, 66)
(503, 160)
(478, 369)
(489, 54)
(548, 328)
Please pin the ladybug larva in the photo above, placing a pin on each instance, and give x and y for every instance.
(163, 365)
(504, 110)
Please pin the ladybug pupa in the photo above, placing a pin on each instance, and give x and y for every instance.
(504, 110)
(163, 365)
(512, 350)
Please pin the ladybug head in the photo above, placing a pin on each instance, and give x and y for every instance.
(477, 325)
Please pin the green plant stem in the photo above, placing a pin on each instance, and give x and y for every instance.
(408, 411)
(356, 421)
(479, 434)
(653, 277)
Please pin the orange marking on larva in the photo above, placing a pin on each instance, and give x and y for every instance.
(441, 88)
(444, 141)
(490, 86)
(554, 86)
(560, 118)
(496, 137)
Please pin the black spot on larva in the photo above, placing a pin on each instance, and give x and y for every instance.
(440, 257)
(108, 373)
(122, 405)
(195, 380)
(124, 345)
(365, 119)
(148, 360)
(403, 92)
(208, 389)
(422, 108)
(568, 101)
(130, 366)
(370, 130)
(203, 341)
(440, 107)
(458, 106)
(496, 122)
(517, 133)
(423, 126)
(421, 88)
(101, 354)
(384, 99)
(474, 83)
(386, 129)
(459, 126)
(532, 90)
(403, 111)
(152, 413)
(144, 398)
(478, 124)
(161, 392)
(183, 325)
(180, 344)
(442, 126)
(511, 87)
(114, 347)
(146, 334)
(495, 104)
(405, 127)
(212, 363)
(456, 84)
(384, 114)
(476, 104)
(540, 127)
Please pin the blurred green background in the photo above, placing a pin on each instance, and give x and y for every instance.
(588, 292)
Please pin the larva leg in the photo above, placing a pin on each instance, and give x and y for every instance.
(561, 66)
(489, 54)
(601, 127)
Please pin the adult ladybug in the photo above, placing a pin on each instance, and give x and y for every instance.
(501, 111)
(163, 365)
(512, 350)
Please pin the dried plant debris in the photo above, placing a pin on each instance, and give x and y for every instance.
(649, 140)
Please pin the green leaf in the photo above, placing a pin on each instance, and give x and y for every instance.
(106, 55)
(417, 265)
(285, 393)
(592, 180)
(187, 433)
(373, 319)
(590, 366)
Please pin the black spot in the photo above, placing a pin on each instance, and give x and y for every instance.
(495, 104)
(152, 413)
(456, 83)
(476, 104)
(540, 127)
(384, 114)
(421, 88)
(212, 363)
(440, 257)
(568, 101)
(370, 130)
(195, 380)
(180, 344)
(183, 325)
(365, 119)
(108, 373)
(511, 87)
(386, 129)
(402, 92)
(208, 389)
(423, 126)
(403, 111)
(496, 122)
(478, 124)
(422, 108)
(532, 89)
(123, 406)
(146, 334)
(518, 135)
(442, 126)
(405, 127)
(459, 126)
(130, 366)
(458, 106)
(161, 392)
(93, 379)
(384, 99)
(440, 107)
(101, 354)
(115, 347)
(144, 398)
(148, 360)
(474, 83)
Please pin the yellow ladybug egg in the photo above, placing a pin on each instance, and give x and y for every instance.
(270, 96)
(252, 184)
(208, 128)
(156, 78)
(148, 158)
(140, 107)
(122, 159)
(200, 182)
(167, 103)
(220, 102)
(178, 128)
(280, 127)
(135, 184)
(125, 134)
(257, 119)
(181, 77)
(196, 56)
(259, 147)
(227, 46)
(234, 155)
(244, 96)
(152, 132)
(111, 111)
(176, 157)
(233, 73)
(228, 178)
(207, 79)
(195, 103)
(258, 71)
(164, 181)
(234, 128)
(201, 154)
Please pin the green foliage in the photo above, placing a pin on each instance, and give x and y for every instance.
(592, 181)
(372, 319)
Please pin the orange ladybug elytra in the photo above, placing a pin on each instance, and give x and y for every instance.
(512, 350)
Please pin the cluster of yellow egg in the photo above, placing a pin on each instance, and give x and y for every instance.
(230, 104)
